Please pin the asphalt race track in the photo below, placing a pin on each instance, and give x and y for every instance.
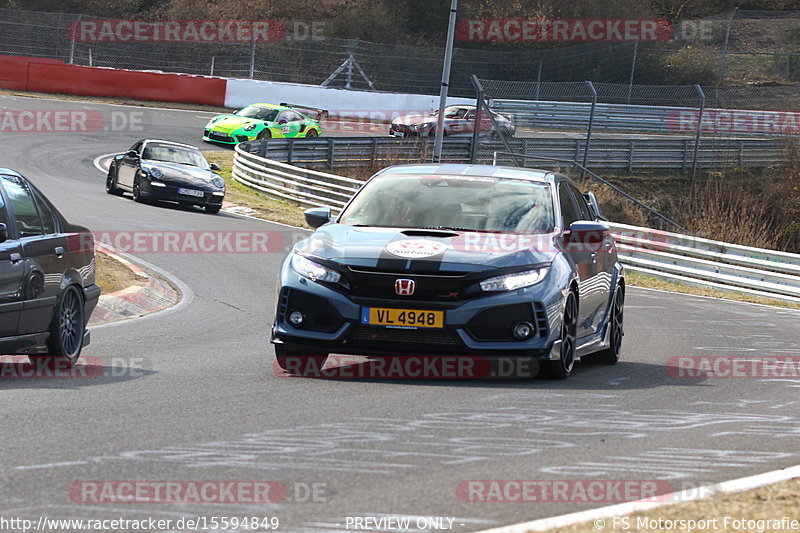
(192, 395)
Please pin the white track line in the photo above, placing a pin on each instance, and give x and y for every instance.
(600, 514)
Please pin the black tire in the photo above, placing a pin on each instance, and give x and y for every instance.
(312, 134)
(610, 355)
(299, 362)
(66, 330)
(111, 182)
(264, 134)
(137, 192)
(562, 368)
(213, 209)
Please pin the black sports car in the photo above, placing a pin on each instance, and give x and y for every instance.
(455, 259)
(166, 171)
(47, 279)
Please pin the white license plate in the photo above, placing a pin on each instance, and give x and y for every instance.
(398, 134)
(190, 192)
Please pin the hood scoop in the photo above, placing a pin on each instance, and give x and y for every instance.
(429, 233)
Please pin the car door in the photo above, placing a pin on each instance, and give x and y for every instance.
(43, 247)
(585, 261)
(12, 275)
(603, 262)
(128, 166)
(290, 123)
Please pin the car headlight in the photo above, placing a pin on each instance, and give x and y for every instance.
(424, 126)
(218, 182)
(212, 121)
(511, 282)
(155, 173)
(313, 271)
(250, 127)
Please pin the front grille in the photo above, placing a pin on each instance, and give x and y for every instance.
(389, 336)
(438, 287)
(495, 323)
(242, 138)
(219, 137)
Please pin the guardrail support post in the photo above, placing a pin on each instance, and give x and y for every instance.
(262, 148)
(374, 150)
(473, 155)
(630, 155)
(330, 152)
(699, 128)
(591, 123)
(290, 151)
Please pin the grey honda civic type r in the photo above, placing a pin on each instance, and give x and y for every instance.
(459, 260)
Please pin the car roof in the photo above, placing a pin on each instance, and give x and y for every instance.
(272, 106)
(10, 172)
(451, 169)
(169, 142)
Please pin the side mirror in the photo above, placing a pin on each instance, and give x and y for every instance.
(3, 232)
(213, 166)
(132, 153)
(585, 236)
(317, 216)
(594, 205)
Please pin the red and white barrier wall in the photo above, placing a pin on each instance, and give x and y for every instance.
(55, 76)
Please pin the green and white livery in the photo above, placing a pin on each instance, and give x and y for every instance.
(265, 121)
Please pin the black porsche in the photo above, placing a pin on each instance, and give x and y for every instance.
(155, 170)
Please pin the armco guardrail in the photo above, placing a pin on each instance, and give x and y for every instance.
(691, 260)
(349, 152)
(709, 263)
(640, 119)
(605, 153)
(288, 182)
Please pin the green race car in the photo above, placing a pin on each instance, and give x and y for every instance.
(264, 121)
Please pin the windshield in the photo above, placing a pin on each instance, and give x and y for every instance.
(171, 153)
(261, 113)
(453, 202)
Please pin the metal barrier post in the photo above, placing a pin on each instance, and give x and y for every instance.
(699, 128)
(473, 156)
(591, 123)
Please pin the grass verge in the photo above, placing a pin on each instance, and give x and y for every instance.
(262, 206)
(773, 502)
(111, 275)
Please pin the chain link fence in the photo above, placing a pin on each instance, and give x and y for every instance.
(741, 46)
(621, 126)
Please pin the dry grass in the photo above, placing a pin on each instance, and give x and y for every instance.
(772, 502)
(111, 275)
